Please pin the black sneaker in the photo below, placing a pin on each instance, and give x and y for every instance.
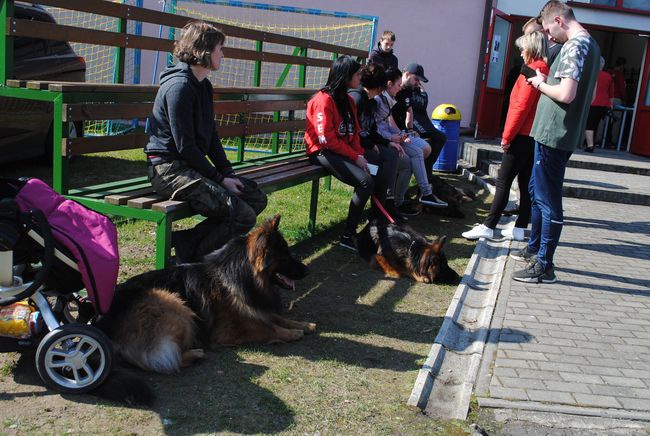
(409, 209)
(523, 255)
(348, 241)
(534, 273)
(510, 212)
(433, 201)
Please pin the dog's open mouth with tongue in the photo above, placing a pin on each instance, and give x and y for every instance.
(285, 282)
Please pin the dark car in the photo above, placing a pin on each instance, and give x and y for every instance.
(26, 125)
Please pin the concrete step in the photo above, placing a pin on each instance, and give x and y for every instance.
(606, 175)
(601, 160)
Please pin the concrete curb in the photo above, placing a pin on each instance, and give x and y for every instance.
(564, 409)
(445, 382)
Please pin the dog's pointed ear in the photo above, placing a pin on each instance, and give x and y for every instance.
(272, 224)
(437, 246)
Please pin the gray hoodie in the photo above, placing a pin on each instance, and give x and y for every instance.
(182, 124)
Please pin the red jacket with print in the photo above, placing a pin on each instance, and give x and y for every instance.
(326, 130)
(523, 104)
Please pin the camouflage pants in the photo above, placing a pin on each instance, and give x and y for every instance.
(227, 214)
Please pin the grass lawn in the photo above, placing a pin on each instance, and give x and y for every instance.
(353, 376)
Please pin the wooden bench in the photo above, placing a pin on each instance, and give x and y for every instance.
(83, 102)
(134, 197)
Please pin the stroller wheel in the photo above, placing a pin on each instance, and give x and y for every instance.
(74, 358)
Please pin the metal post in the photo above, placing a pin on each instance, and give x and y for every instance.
(275, 136)
(257, 71)
(59, 164)
(6, 42)
(302, 71)
(163, 241)
(289, 138)
(313, 207)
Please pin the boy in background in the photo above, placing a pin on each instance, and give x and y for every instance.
(383, 54)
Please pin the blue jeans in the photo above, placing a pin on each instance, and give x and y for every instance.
(545, 187)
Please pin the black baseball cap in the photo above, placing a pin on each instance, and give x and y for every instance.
(417, 70)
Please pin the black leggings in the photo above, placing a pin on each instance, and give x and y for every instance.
(436, 140)
(516, 162)
(349, 173)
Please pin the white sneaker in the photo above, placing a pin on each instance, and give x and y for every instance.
(516, 233)
(479, 231)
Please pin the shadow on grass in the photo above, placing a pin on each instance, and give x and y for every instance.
(365, 321)
(218, 394)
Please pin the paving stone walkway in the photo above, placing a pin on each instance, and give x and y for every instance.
(583, 342)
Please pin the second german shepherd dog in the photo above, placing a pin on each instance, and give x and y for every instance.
(400, 251)
(161, 320)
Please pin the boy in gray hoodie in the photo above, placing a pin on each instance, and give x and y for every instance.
(185, 156)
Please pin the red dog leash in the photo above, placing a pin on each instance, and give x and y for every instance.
(381, 208)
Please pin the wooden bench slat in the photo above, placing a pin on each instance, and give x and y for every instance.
(290, 175)
(83, 111)
(168, 206)
(144, 202)
(110, 185)
(254, 93)
(96, 144)
(59, 32)
(15, 83)
(249, 170)
(116, 191)
(123, 198)
(112, 111)
(267, 170)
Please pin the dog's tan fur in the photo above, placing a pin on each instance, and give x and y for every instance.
(228, 299)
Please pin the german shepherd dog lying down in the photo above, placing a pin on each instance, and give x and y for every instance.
(161, 320)
(400, 251)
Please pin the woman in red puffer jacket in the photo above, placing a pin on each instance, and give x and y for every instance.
(518, 146)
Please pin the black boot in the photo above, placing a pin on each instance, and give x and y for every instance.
(184, 243)
(394, 212)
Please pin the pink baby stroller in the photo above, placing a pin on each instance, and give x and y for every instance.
(62, 259)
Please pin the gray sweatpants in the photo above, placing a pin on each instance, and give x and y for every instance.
(414, 149)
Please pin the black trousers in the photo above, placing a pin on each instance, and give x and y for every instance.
(349, 173)
(436, 140)
(517, 162)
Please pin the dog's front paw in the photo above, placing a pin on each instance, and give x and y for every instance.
(293, 335)
(309, 328)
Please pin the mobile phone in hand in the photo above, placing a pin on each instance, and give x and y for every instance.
(528, 72)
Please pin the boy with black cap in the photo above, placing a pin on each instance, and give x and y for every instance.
(410, 112)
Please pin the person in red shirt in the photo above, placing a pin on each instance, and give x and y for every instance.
(603, 100)
(332, 140)
(517, 145)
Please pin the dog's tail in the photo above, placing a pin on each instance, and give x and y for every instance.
(123, 386)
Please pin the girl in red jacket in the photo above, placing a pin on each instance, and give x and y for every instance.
(332, 140)
(517, 146)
